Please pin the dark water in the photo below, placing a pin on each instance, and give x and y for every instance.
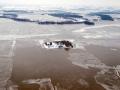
(33, 62)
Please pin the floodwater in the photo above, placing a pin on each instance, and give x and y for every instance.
(108, 55)
(23, 58)
(33, 62)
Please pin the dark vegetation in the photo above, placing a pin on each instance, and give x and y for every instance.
(61, 44)
(70, 18)
(102, 16)
(66, 15)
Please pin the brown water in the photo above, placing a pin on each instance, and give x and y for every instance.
(33, 62)
(108, 55)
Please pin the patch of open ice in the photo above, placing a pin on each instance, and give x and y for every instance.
(93, 27)
(14, 37)
(113, 49)
(12, 48)
(93, 36)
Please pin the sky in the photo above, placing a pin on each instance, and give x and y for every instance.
(63, 3)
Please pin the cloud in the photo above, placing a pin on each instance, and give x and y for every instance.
(55, 3)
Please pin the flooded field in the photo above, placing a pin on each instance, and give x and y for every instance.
(108, 55)
(26, 65)
(54, 64)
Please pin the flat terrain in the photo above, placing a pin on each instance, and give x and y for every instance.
(96, 51)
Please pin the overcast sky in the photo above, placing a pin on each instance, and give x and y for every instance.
(62, 3)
